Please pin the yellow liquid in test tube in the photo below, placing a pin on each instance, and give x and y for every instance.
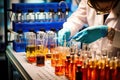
(30, 54)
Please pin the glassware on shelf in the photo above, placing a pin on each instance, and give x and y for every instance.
(30, 16)
(31, 45)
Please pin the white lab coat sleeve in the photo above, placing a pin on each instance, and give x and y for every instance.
(116, 39)
(77, 19)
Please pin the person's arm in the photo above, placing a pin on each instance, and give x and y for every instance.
(74, 23)
(114, 36)
(77, 19)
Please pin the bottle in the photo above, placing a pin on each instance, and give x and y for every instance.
(118, 65)
(18, 16)
(19, 37)
(67, 66)
(93, 70)
(54, 57)
(51, 15)
(72, 67)
(107, 69)
(59, 13)
(31, 45)
(19, 41)
(59, 67)
(41, 15)
(52, 40)
(41, 43)
(30, 16)
(113, 68)
(66, 13)
(78, 60)
(78, 73)
(101, 69)
(84, 71)
(88, 68)
(40, 60)
(118, 69)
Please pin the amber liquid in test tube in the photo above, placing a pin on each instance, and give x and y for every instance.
(67, 66)
(107, 69)
(78, 60)
(118, 69)
(60, 64)
(94, 72)
(78, 73)
(54, 57)
(101, 69)
(88, 70)
(113, 69)
(72, 67)
(84, 71)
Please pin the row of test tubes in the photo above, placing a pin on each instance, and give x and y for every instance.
(86, 64)
(73, 61)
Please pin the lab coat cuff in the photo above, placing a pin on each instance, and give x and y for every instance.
(116, 39)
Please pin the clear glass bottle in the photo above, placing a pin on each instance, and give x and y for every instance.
(41, 16)
(59, 13)
(30, 16)
(18, 16)
(41, 43)
(51, 15)
(31, 45)
(66, 13)
(52, 39)
(19, 37)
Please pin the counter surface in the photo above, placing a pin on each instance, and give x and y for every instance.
(31, 71)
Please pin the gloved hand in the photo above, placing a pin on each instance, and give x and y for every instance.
(63, 35)
(91, 34)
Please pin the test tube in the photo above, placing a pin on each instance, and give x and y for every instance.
(79, 73)
(67, 66)
(118, 66)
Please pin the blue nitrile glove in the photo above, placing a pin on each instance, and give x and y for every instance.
(63, 35)
(91, 34)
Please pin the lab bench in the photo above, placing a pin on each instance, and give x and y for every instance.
(29, 71)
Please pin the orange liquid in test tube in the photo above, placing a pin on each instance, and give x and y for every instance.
(84, 71)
